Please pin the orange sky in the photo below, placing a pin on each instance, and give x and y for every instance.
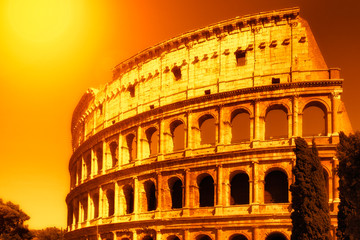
(52, 51)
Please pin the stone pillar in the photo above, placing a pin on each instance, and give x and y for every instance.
(101, 204)
(335, 97)
(103, 157)
(134, 235)
(189, 142)
(219, 234)
(219, 187)
(120, 143)
(335, 180)
(220, 136)
(116, 199)
(159, 191)
(138, 144)
(295, 118)
(136, 197)
(257, 129)
(162, 142)
(187, 189)
(89, 209)
(158, 235)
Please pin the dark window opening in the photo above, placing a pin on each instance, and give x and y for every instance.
(238, 237)
(203, 237)
(131, 144)
(240, 127)
(129, 199)
(276, 236)
(152, 135)
(240, 57)
(114, 153)
(207, 130)
(101, 109)
(207, 92)
(206, 192)
(178, 135)
(152, 106)
(110, 196)
(275, 80)
(132, 91)
(148, 238)
(84, 204)
(314, 121)
(177, 72)
(239, 189)
(150, 195)
(176, 194)
(95, 200)
(276, 187)
(99, 159)
(173, 238)
(70, 214)
(276, 124)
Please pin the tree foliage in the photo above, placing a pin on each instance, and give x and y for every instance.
(50, 233)
(12, 220)
(348, 153)
(310, 216)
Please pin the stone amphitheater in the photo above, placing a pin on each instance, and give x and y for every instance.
(193, 138)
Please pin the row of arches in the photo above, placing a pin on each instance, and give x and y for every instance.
(276, 191)
(236, 236)
(276, 126)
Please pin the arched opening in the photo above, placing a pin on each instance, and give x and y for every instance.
(239, 189)
(276, 236)
(175, 185)
(110, 197)
(95, 200)
(76, 211)
(276, 124)
(314, 120)
(276, 187)
(326, 178)
(99, 159)
(88, 165)
(240, 126)
(206, 192)
(152, 135)
(70, 214)
(238, 237)
(114, 153)
(129, 198)
(173, 237)
(207, 130)
(131, 145)
(178, 135)
(147, 237)
(150, 195)
(203, 237)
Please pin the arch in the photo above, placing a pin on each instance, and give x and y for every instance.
(99, 159)
(206, 191)
(150, 195)
(173, 237)
(152, 135)
(276, 236)
(207, 128)
(95, 201)
(276, 187)
(110, 197)
(177, 129)
(314, 119)
(129, 198)
(240, 125)
(84, 208)
(176, 191)
(276, 123)
(238, 237)
(114, 153)
(131, 146)
(239, 189)
(203, 237)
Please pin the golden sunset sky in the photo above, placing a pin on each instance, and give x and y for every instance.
(52, 51)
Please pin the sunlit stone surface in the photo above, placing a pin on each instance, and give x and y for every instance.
(193, 138)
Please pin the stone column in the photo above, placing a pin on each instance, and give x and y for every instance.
(257, 128)
(101, 204)
(220, 136)
(189, 142)
(335, 179)
(103, 157)
(219, 190)
(187, 191)
(116, 199)
(138, 144)
(89, 209)
(162, 142)
(159, 192)
(295, 121)
(136, 197)
(335, 97)
(120, 143)
(219, 234)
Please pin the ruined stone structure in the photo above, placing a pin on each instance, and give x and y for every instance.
(193, 138)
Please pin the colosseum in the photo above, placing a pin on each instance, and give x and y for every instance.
(193, 138)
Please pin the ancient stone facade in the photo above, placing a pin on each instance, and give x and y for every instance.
(181, 143)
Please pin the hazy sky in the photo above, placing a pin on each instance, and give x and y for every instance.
(51, 51)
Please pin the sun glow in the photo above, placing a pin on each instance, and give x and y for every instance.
(40, 20)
